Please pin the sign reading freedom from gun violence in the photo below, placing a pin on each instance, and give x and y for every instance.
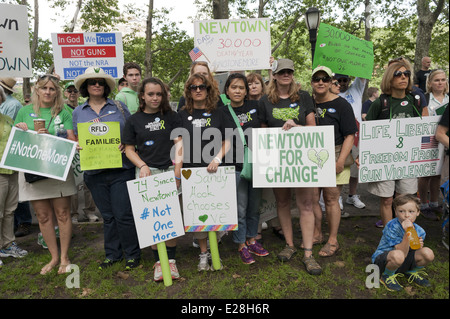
(15, 58)
(399, 149)
(343, 53)
(75, 52)
(209, 199)
(300, 157)
(234, 44)
(100, 143)
(41, 154)
(156, 208)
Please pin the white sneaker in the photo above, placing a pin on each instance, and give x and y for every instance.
(355, 201)
(173, 269)
(157, 275)
(340, 203)
(204, 261)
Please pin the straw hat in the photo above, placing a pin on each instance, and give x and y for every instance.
(94, 73)
(8, 83)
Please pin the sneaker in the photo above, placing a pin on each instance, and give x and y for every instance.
(287, 253)
(106, 264)
(23, 230)
(355, 201)
(92, 217)
(344, 214)
(428, 213)
(416, 277)
(41, 241)
(379, 224)
(257, 249)
(13, 251)
(245, 256)
(1, 263)
(340, 203)
(157, 275)
(173, 269)
(204, 261)
(74, 219)
(131, 263)
(390, 282)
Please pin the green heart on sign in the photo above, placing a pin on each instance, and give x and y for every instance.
(319, 158)
(203, 218)
(186, 173)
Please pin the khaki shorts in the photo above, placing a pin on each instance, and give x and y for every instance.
(343, 177)
(388, 188)
(354, 170)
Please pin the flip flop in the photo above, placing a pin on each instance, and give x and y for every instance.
(47, 268)
(328, 250)
(64, 269)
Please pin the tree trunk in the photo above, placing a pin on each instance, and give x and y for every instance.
(148, 33)
(26, 88)
(220, 9)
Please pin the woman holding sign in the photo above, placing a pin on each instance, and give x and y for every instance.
(333, 110)
(109, 185)
(285, 106)
(150, 130)
(49, 197)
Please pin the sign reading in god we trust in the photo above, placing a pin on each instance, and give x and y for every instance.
(156, 208)
(100, 145)
(234, 44)
(399, 149)
(209, 199)
(300, 157)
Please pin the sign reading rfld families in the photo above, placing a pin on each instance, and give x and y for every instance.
(399, 149)
(100, 145)
(209, 199)
(75, 52)
(40, 154)
(300, 157)
(156, 208)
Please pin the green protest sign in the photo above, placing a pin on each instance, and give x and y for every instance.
(100, 145)
(40, 154)
(343, 53)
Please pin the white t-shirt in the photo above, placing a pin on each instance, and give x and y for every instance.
(434, 105)
(354, 96)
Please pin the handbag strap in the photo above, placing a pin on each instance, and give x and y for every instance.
(238, 124)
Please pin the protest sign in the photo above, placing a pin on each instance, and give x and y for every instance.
(300, 157)
(209, 199)
(343, 53)
(75, 52)
(100, 143)
(403, 148)
(233, 44)
(40, 154)
(15, 57)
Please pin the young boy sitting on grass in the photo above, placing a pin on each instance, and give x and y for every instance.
(394, 256)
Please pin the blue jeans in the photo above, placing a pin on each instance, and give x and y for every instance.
(110, 193)
(248, 202)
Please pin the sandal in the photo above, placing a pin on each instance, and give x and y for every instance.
(315, 242)
(64, 269)
(287, 253)
(278, 232)
(328, 250)
(47, 268)
(312, 267)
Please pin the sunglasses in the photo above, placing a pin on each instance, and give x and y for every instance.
(100, 82)
(343, 80)
(324, 79)
(336, 83)
(201, 87)
(286, 71)
(72, 91)
(48, 76)
(406, 73)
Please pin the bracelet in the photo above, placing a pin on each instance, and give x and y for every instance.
(142, 166)
(218, 160)
(179, 178)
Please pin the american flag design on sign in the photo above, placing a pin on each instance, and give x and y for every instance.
(195, 53)
(429, 142)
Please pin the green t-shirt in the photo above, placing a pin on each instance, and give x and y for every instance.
(6, 124)
(399, 108)
(129, 98)
(26, 114)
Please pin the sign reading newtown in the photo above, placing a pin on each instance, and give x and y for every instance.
(399, 149)
(40, 154)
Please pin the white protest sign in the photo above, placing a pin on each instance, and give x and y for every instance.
(301, 157)
(15, 57)
(233, 44)
(209, 199)
(399, 149)
(156, 208)
(75, 52)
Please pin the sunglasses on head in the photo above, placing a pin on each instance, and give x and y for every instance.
(48, 76)
(324, 79)
(406, 73)
(201, 87)
(100, 82)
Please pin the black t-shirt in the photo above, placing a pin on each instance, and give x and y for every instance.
(444, 122)
(202, 135)
(248, 118)
(275, 115)
(338, 113)
(421, 79)
(151, 134)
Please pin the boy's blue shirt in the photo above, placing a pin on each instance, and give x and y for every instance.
(393, 234)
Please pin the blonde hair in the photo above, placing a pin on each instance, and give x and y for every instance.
(212, 95)
(388, 76)
(59, 100)
(273, 95)
(430, 79)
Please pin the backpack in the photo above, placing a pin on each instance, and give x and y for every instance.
(385, 106)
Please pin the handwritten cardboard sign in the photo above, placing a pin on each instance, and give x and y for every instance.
(209, 199)
(399, 149)
(156, 208)
(300, 157)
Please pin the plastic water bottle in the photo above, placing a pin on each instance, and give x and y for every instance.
(61, 131)
(414, 241)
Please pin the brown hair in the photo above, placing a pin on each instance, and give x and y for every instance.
(164, 107)
(388, 76)
(256, 76)
(212, 96)
(406, 198)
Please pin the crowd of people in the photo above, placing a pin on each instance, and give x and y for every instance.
(147, 120)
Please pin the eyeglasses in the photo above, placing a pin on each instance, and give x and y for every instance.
(406, 73)
(324, 79)
(201, 87)
(343, 80)
(100, 82)
(72, 91)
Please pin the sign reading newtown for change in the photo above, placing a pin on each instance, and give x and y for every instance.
(75, 52)
(40, 154)
(399, 149)
(230, 44)
(156, 208)
(300, 157)
(100, 143)
(209, 199)
(15, 57)
(343, 53)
